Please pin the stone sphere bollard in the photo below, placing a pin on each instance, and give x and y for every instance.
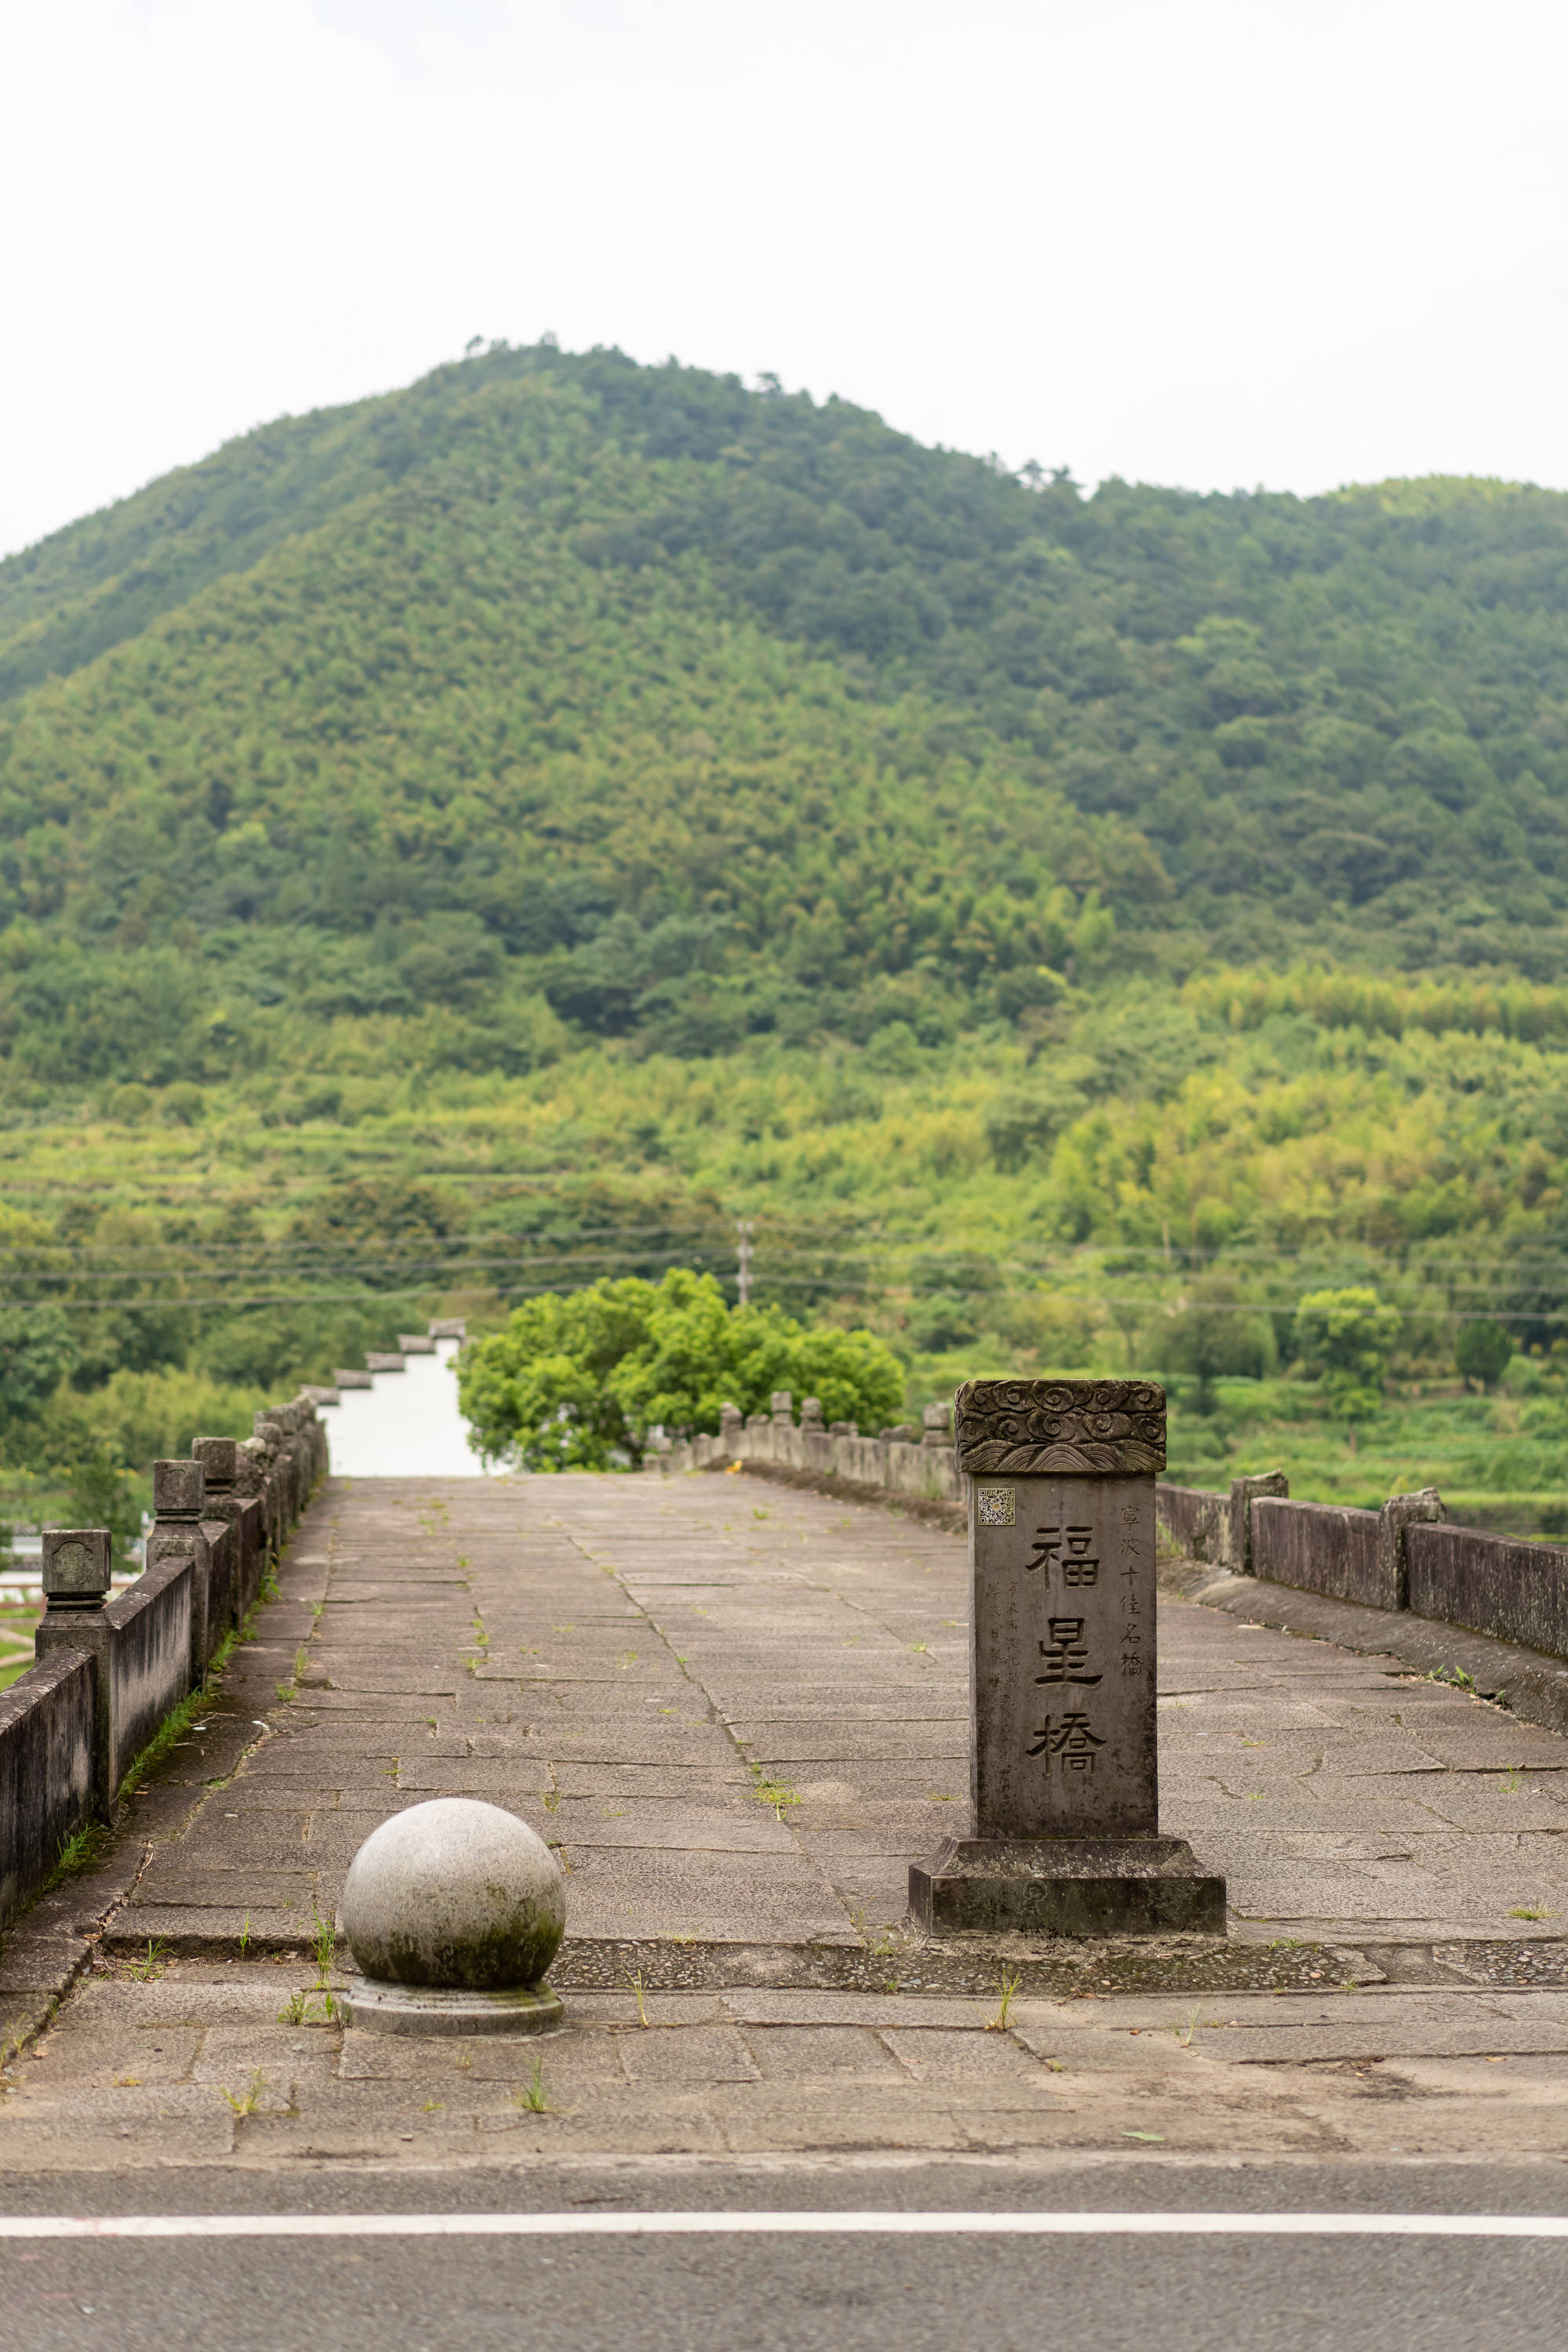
(453, 1911)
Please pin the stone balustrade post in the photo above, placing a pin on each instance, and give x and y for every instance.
(1243, 1494)
(77, 1568)
(1399, 1512)
(241, 1514)
(277, 1472)
(179, 1501)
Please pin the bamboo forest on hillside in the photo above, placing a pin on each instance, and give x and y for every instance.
(477, 845)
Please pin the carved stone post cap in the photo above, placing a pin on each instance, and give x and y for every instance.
(781, 1401)
(179, 1490)
(76, 1566)
(216, 1456)
(1034, 1429)
(939, 1415)
(811, 1411)
(729, 1416)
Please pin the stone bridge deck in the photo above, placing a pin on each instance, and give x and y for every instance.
(740, 1711)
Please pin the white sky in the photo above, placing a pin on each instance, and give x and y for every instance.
(1294, 242)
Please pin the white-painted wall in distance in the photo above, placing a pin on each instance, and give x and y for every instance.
(405, 1425)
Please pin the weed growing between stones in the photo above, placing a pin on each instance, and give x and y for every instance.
(531, 2095)
(776, 1793)
(78, 1852)
(881, 1946)
(1009, 1986)
(246, 2101)
(324, 1947)
(299, 2009)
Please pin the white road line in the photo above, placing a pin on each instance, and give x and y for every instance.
(770, 2225)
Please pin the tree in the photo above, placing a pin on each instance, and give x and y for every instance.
(576, 1382)
(1214, 1333)
(1347, 1337)
(101, 1497)
(1483, 1351)
(37, 1350)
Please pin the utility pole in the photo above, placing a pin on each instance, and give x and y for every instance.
(744, 1230)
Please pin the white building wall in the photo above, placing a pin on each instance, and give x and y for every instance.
(405, 1425)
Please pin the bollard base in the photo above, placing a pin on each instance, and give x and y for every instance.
(376, 2006)
(1065, 1887)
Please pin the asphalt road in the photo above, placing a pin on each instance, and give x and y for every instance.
(1109, 2292)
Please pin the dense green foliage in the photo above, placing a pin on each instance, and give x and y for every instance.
(482, 840)
(576, 1382)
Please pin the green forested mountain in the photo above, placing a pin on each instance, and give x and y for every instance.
(697, 712)
(647, 800)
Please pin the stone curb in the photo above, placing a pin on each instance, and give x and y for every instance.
(1532, 1686)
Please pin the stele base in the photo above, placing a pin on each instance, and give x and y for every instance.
(376, 2006)
(1065, 1887)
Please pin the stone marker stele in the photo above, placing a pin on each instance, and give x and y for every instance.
(1059, 1476)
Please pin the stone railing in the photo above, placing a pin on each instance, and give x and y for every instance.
(1404, 1556)
(110, 1670)
(902, 1460)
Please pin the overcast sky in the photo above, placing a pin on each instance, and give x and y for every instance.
(1290, 242)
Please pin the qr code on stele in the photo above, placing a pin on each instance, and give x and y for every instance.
(996, 1507)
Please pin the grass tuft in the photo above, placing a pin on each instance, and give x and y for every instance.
(246, 2101)
(1009, 1986)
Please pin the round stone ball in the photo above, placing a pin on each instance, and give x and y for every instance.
(454, 1892)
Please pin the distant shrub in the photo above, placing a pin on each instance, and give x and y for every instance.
(183, 1104)
(126, 1104)
(1483, 1351)
(1347, 1337)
